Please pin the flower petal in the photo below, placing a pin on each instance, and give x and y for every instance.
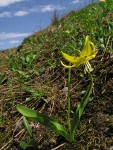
(93, 48)
(88, 50)
(71, 59)
(88, 53)
(90, 57)
(67, 66)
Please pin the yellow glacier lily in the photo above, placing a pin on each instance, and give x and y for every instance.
(88, 53)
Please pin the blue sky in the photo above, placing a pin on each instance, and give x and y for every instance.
(20, 18)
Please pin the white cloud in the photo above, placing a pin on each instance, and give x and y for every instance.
(14, 42)
(75, 1)
(17, 13)
(48, 8)
(5, 14)
(4, 3)
(21, 13)
(36, 9)
(4, 35)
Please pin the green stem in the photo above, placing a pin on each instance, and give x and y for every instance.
(69, 105)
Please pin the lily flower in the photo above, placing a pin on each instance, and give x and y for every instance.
(88, 53)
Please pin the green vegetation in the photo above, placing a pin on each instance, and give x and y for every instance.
(31, 75)
(88, 53)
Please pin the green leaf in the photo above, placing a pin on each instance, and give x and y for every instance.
(28, 99)
(3, 78)
(27, 111)
(24, 75)
(24, 145)
(79, 111)
(44, 120)
(41, 70)
(28, 59)
(28, 128)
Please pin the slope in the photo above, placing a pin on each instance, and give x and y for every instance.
(32, 75)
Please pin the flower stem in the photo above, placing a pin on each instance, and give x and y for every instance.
(69, 105)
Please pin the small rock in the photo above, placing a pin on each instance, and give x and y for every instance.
(111, 148)
(65, 89)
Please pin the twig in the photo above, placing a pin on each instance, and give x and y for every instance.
(12, 140)
(58, 146)
(6, 144)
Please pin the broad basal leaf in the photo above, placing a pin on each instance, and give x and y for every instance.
(44, 120)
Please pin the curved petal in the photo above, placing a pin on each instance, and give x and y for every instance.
(80, 61)
(93, 48)
(71, 59)
(88, 50)
(91, 57)
(67, 66)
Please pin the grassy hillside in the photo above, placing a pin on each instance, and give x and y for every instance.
(31, 75)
